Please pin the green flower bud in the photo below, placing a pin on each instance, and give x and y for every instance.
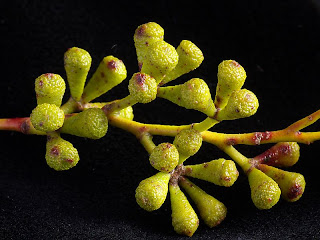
(242, 103)
(212, 211)
(152, 192)
(265, 192)
(77, 63)
(220, 172)
(164, 157)
(110, 72)
(60, 154)
(47, 117)
(50, 88)
(143, 88)
(91, 123)
(125, 113)
(283, 154)
(193, 94)
(188, 142)
(184, 219)
(292, 184)
(190, 57)
(231, 77)
(159, 60)
(144, 36)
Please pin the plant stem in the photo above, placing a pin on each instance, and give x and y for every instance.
(22, 125)
(119, 104)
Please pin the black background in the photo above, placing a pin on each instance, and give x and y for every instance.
(277, 42)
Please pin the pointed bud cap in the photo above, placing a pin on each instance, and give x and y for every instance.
(143, 88)
(152, 192)
(91, 123)
(265, 192)
(190, 58)
(231, 77)
(212, 211)
(77, 63)
(220, 172)
(50, 88)
(60, 154)
(164, 157)
(242, 103)
(110, 72)
(159, 60)
(184, 219)
(47, 117)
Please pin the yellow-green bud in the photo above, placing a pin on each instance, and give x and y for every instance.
(125, 113)
(77, 63)
(142, 87)
(212, 211)
(184, 219)
(190, 57)
(231, 77)
(242, 103)
(47, 117)
(60, 154)
(292, 184)
(220, 172)
(91, 123)
(50, 88)
(193, 94)
(144, 36)
(152, 192)
(110, 72)
(160, 59)
(265, 192)
(188, 142)
(164, 157)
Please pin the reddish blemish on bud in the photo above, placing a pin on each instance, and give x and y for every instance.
(261, 136)
(112, 65)
(141, 30)
(295, 191)
(273, 155)
(205, 165)
(227, 179)
(24, 127)
(102, 74)
(69, 160)
(235, 64)
(55, 151)
(140, 79)
(48, 75)
(40, 83)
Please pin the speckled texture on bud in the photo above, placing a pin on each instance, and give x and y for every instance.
(47, 117)
(50, 88)
(190, 57)
(77, 63)
(211, 210)
(144, 36)
(221, 172)
(142, 87)
(184, 219)
(91, 123)
(164, 157)
(292, 184)
(60, 154)
(188, 142)
(152, 192)
(242, 103)
(110, 72)
(160, 59)
(193, 94)
(231, 77)
(265, 192)
(125, 113)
